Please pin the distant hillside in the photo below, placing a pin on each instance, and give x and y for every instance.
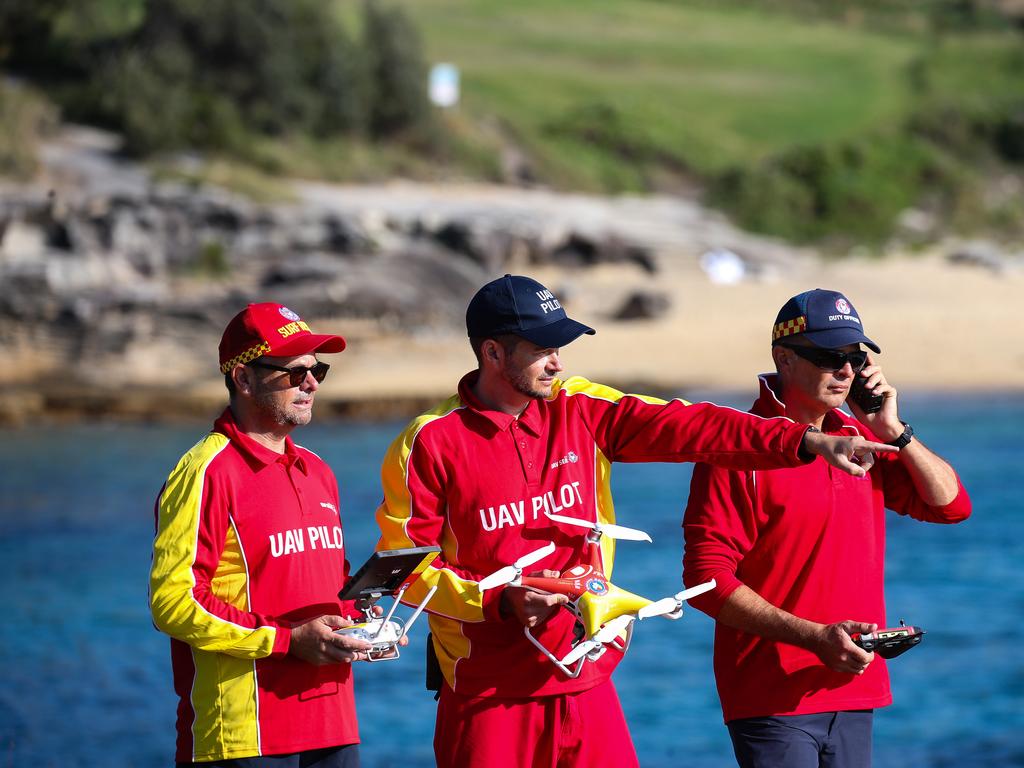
(817, 120)
(802, 118)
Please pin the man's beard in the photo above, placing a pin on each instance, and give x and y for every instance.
(267, 402)
(524, 386)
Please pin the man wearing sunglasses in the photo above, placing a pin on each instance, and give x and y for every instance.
(798, 553)
(247, 563)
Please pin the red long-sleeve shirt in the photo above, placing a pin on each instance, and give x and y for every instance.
(811, 541)
(479, 484)
(248, 542)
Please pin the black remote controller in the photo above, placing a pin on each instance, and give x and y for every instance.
(890, 643)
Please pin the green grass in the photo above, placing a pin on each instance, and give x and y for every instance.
(704, 87)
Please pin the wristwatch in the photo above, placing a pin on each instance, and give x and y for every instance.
(905, 438)
(802, 452)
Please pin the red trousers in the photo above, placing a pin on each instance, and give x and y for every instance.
(574, 730)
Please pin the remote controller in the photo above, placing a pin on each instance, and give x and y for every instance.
(890, 643)
(382, 635)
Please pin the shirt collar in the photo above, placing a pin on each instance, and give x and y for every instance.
(529, 419)
(254, 452)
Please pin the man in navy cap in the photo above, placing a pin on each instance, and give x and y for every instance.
(479, 476)
(798, 553)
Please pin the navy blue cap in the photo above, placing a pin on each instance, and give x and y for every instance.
(825, 318)
(519, 305)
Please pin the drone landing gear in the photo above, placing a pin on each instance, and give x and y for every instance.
(596, 651)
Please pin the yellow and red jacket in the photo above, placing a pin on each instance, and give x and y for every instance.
(247, 543)
(479, 484)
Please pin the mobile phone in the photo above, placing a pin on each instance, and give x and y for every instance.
(865, 398)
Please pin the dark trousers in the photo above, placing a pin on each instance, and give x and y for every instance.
(827, 740)
(346, 756)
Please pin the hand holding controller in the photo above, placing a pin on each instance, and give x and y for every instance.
(890, 643)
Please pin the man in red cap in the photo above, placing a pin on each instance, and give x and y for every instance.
(479, 476)
(247, 563)
(798, 553)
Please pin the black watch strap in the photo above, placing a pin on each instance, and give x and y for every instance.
(803, 453)
(905, 438)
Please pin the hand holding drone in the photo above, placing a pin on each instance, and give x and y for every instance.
(605, 613)
(389, 572)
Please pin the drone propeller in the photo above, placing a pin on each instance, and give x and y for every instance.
(611, 529)
(605, 634)
(512, 572)
(672, 604)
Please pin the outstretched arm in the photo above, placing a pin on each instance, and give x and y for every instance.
(638, 428)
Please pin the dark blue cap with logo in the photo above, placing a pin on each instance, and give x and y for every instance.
(825, 318)
(524, 307)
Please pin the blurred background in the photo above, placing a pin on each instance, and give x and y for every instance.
(673, 169)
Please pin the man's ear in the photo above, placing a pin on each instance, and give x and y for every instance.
(242, 376)
(491, 352)
(782, 357)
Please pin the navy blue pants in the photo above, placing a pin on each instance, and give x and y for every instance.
(827, 740)
(332, 757)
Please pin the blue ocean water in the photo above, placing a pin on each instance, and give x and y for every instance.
(86, 678)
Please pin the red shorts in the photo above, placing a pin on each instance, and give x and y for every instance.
(584, 730)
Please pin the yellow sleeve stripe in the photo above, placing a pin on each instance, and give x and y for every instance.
(395, 511)
(456, 597)
(577, 385)
(175, 550)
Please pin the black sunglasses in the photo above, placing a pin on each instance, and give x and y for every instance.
(297, 375)
(830, 359)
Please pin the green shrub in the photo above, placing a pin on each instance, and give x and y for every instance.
(396, 75)
(854, 190)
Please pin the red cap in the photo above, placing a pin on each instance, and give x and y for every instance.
(274, 330)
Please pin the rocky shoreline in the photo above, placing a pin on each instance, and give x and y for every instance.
(114, 286)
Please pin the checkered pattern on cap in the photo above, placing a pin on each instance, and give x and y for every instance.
(789, 327)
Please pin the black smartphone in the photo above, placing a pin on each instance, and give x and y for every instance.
(865, 398)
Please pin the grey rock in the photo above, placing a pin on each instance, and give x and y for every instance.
(643, 305)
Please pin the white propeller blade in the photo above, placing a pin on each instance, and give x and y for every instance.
(700, 589)
(671, 604)
(537, 555)
(582, 649)
(611, 529)
(605, 634)
(659, 608)
(612, 629)
(512, 572)
(499, 577)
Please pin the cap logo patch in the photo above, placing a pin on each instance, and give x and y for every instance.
(548, 302)
(843, 306)
(287, 314)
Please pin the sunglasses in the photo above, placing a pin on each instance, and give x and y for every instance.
(297, 375)
(830, 359)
